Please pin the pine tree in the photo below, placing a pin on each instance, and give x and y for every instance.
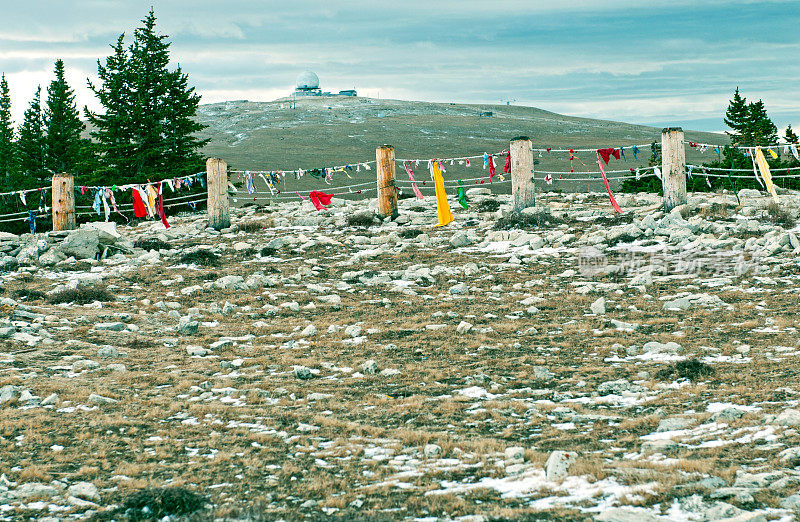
(7, 153)
(113, 130)
(32, 146)
(736, 118)
(760, 128)
(149, 58)
(63, 124)
(148, 128)
(791, 137)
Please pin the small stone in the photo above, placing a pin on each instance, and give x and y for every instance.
(301, 372)
(309, 331)
(788, 417)
(370, 367)
(515, 454)
(389, 372)
(558, 463)
(463, 327)
(353, 330)
(50, 400)
(197, 351)
(432, 451)
(107, 352)
(111, 327)
(84, 490)
(188, 327)
(542, 373)
(599, 306)
(459, 289)
(100, 399)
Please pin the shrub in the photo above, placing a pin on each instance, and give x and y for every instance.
(689, 369)
(152, 244)
(156, 503)
(778, 216)
(488, 205)
(81, 295)
(361, 220)
(200, 257)
(518, 220)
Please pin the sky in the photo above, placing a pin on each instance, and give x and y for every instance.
(655, 62)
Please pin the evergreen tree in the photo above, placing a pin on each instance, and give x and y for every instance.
(32, 145)
(736, 118)
(760, 129)
(791, 137)
(62, 123)
(148, 128)
(7, 153)
(113, 130)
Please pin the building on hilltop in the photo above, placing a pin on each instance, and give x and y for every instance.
(308, 85)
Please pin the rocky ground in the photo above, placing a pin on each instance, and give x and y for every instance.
(562, 364)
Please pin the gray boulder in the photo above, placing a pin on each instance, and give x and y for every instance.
(81, 244)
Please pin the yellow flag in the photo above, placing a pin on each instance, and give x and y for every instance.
(442, 206)
(763, 167)
(773, 154)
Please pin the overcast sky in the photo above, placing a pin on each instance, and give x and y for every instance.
(643, 61)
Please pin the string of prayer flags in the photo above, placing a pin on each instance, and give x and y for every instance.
(607, 153)
(138, 205)
(442, 206)
(462, 196)
(414, 186)
(161, 205)
(763, 166)
(605, 179)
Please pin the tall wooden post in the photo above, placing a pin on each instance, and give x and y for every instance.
(673, 167)
(219, 214)
(522, 184)
(387, 193)
(63, 202)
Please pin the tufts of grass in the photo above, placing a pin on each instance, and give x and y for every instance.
(520, 221)
(488, 205)
(30, 295)
(251, 227)
(152, 244)
(691, 369)
(157, 503)
(81, 295)
(200, 257)
(409, 233)
(779, 216)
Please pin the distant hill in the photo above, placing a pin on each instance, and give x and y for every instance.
(327, 131)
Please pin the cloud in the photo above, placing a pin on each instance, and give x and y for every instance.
(620, 59)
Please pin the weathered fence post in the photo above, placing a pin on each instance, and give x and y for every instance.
(673, 167)
(387, 193)
(63, 202)
(522, 184)
(219, 214)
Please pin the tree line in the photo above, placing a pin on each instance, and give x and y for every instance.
(146, 130)
(749, 125)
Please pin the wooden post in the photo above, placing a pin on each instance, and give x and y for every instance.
(673, 167)
(63, 202)
(522, 184)
(219, 214)
(387, 193)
